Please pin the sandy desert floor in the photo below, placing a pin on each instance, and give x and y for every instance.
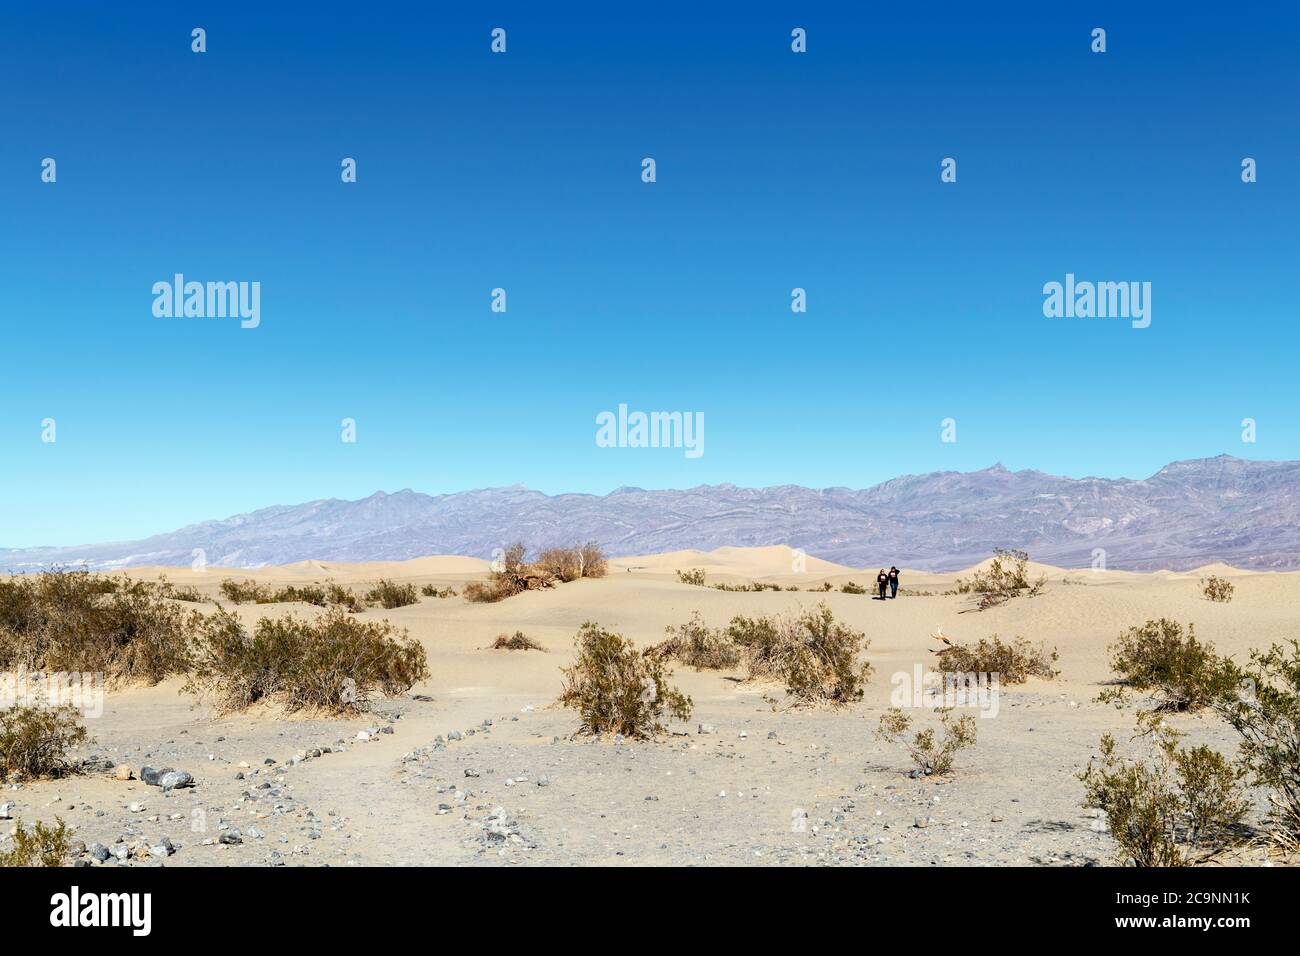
(768, 785)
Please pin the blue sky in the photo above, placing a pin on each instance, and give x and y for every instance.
(522, 171)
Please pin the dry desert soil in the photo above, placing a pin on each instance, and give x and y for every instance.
(479, 765)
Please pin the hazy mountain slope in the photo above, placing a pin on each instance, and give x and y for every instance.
(1245, 513)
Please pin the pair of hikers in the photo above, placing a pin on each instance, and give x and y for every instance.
(888, 579)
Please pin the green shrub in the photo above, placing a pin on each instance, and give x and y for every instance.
(617, 690)
(335, 663)
(698, 646)
(810, 652)
(34, 741)
(1180, 672)
(692, 576)
(79, 621)
(430, 591)
(852, 588)
(519, 641)
(1176, 810)
(931, 753)
(1014, 663)
(38, 845)
(389, 594)
(1217, 589)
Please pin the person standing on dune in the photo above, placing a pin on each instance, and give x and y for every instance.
(893, 581)
(882, 582)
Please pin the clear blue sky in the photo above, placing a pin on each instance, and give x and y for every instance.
(522, 170)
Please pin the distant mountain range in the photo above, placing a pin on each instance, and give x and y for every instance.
(1190, 513)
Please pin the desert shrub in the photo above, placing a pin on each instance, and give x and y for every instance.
(335, 663)
(245, 592)
(752, 586)
(594, 564)
(34, 741)
(563, 563)
(1217, 589)
(389, 594)
(697, 645)
(692, 576)
(1006, 577)
(496, 589)
(189, 595)
(617, 690)
(79, 621)
(569, 564)
(1173, 811)
(810, 652)
(852, 588)
(337, 594)
(932, 753)
(519, 641)
(1014, 663)
(1180, 672)
(39, 845)
(1265, 711)
(307, 593)
(430, 591)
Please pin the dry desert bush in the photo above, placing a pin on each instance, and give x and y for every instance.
(39, 845)
(1265, 712)
(1006, 577)
(1217, 589)
(79, 621)
(389, 594)
(815, 656)
(1178, 671)
(518, 641)
(430, 590)
(1014, 662)
(617, 689)
(1177, 809)
(335, 663)
(320, 595)
(932, 753)
(515, 574)
(697, 645)
(34, 741)
(693, 576)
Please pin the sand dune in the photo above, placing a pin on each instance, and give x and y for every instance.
(1014, 799)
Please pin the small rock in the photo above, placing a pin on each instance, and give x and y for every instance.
(151, 775)
(123, 772)
(175, 780)
(921, 823)
(231, 838)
